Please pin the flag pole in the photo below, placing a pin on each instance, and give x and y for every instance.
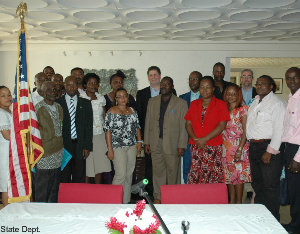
(21, 12)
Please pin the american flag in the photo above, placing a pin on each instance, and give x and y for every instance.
(24, 129)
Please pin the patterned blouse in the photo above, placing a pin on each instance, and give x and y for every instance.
(123, 128)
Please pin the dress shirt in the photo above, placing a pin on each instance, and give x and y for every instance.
(36, 97)
(68, 100)
(153, 92)
(291, 132)
(247, 95)
(195, 96)
(265, 120)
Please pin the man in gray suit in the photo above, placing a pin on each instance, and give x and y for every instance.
(165, 136)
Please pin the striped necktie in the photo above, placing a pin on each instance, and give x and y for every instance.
(72, 112)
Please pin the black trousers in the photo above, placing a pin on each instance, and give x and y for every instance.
(266, 176)
(293, 180)
(47, 184)
(75, 170)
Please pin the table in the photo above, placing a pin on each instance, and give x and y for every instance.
(90, 218)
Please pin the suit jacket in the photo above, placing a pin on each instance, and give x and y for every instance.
(187, 97)
(174, 134)
(83, 122)
(142, 98)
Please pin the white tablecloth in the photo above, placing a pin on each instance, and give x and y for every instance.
(90, 218)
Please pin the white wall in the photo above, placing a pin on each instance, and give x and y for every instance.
(175, 59)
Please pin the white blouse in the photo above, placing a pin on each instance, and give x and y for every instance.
(97, 106)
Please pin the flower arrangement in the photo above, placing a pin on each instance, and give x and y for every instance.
(137, 221)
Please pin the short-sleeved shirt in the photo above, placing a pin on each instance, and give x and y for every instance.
(216, 112)
(123, 129)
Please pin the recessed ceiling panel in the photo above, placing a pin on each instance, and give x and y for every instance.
(120, 38)
(189, 33)
(149, 33)
(4, 34)
(250, 15)
(80, 38)
(186, 38)
(58, 25)
(145, 3)
(193, 25)
(199, 15)
(103, 25)
(150, 38)
(6, 17)
(268, 33)
(206, 3)
(291, 15)
(289, 39)
(282, 25)
(228, 33)
(238, 25)
(257, 38)
(45, 38)
(147, 15)
(71, 33)
(267, 4)
(35, 33)
(296, 34)
(222, 38)
(94, 15)
(148, 25)
(31, 4)
(91, 4)
(109, 33)
(45, 16)
(14, 26)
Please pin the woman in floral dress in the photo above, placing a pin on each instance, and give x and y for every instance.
(236, 147)
(205, 120)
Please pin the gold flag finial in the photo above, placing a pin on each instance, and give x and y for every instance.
(21, 12)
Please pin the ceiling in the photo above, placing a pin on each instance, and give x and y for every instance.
(241, 63)
(154, 20)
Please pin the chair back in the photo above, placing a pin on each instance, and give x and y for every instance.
(90, 193)
(194, 194)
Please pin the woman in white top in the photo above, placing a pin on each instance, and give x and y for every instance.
(97, 162)
(5, 126)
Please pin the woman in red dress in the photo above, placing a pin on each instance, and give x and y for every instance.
(205, 120)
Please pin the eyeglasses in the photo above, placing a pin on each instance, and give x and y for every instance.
(247, 77)
(261, 84)
(194, 79)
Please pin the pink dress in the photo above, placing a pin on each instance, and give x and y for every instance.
(235, 172)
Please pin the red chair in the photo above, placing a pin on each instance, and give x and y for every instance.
(90, 193)
(194, 194)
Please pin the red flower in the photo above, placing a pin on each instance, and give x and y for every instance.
(115, 225)
(140, 206)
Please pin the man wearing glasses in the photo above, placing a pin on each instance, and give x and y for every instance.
(194, 94)
(249, 92)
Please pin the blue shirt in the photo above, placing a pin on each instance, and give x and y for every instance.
(153, 92)
(247, 96)
(194, 96)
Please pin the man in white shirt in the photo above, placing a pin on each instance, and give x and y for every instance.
(264, 130)
(37, 95)
(249, 92)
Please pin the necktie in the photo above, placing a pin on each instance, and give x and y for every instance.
(72, 112)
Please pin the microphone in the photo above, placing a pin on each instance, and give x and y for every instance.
(136, 188)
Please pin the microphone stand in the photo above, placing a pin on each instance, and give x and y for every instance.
(163, 225)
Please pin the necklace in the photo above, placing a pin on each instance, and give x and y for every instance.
(123, 111)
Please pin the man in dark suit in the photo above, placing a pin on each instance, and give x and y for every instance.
(194, 83)
(142, 98)
(249, 92)
(77, 131)
(221, 84)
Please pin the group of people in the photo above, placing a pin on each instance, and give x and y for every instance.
(225, 134)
